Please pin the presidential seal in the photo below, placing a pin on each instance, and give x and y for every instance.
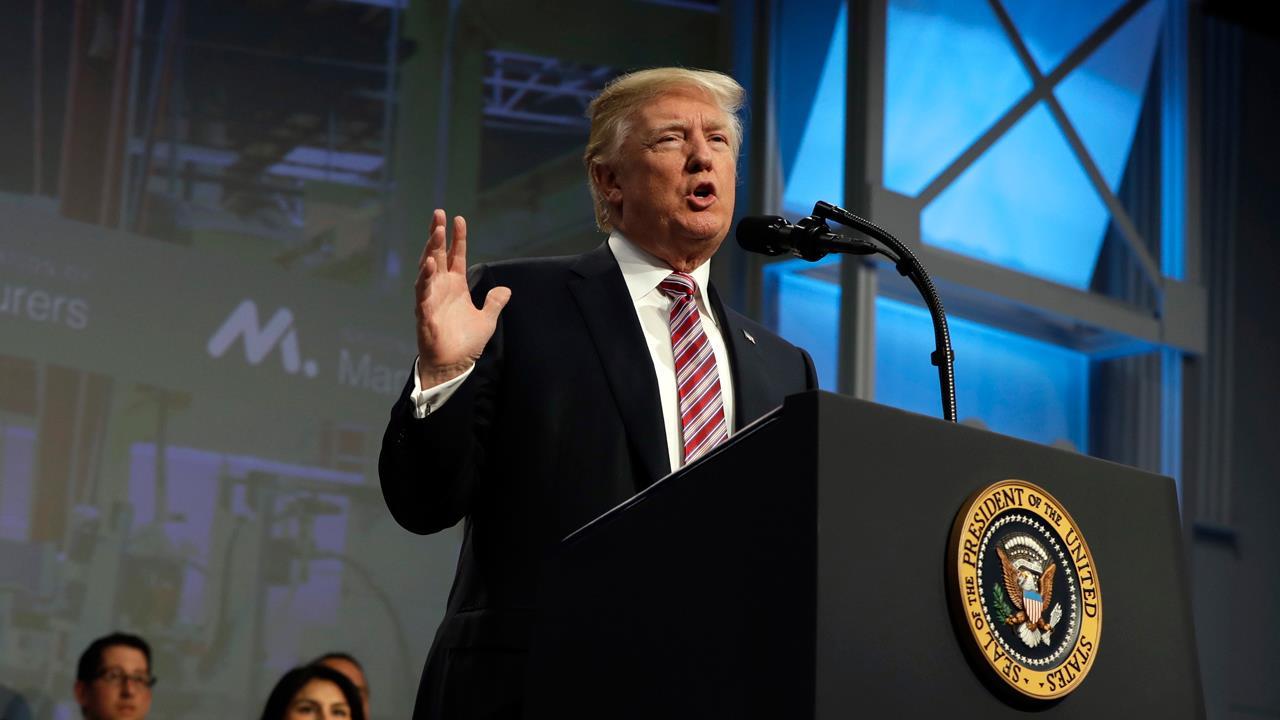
(1025, 590)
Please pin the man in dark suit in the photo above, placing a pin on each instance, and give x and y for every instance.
(547, 391)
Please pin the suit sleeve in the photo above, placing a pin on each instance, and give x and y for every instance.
(432, 469)
(15, 709)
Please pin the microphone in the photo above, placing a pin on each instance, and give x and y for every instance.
(810, 238)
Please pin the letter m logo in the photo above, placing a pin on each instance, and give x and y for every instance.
(260, 340)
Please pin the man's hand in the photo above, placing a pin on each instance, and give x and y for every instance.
(451, 331)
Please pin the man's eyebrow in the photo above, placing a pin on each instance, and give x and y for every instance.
(672, 125)
(707, 126)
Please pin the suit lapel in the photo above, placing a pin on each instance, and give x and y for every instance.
(610, 318)
(750, 376)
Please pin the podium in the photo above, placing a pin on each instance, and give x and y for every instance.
(800, 571)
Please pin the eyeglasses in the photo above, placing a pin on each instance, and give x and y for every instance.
(115, 676)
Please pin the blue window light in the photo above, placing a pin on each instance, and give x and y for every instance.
(950, 73)
(1026, 203)
(1051, 29)
(1010, 383)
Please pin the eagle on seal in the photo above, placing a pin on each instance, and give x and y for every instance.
(1029, 596)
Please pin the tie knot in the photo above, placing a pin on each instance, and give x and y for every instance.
(678, 285)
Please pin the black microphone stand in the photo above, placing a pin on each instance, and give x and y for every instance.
(909, 266)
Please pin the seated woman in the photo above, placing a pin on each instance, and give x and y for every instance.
(314, 692)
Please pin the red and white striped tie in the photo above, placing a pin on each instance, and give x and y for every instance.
(697, 381)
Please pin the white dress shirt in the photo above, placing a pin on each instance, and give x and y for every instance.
(641, 272)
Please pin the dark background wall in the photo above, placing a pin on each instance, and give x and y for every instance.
(1235, 567)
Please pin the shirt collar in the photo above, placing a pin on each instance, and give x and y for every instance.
(642, 272)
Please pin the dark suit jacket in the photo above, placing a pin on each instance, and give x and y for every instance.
(559, 422)
(13, 706)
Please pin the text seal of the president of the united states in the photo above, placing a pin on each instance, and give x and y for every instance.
(1024, 586)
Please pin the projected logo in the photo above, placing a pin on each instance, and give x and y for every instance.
(261, 340)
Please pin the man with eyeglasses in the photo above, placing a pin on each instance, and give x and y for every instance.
(114, 680)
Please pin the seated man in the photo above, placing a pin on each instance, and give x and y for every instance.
(114, 680)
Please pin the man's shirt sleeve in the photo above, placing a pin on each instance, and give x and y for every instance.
(428, 400)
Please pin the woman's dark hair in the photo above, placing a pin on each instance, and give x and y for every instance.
(294, 680)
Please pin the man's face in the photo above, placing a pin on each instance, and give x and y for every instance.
(120, 691)
(355, 675)
(671, 186)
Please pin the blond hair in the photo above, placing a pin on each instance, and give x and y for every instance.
(612, 110)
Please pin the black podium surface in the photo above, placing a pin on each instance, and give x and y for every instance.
(800, 571)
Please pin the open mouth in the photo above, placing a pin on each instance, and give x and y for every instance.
(703, 194)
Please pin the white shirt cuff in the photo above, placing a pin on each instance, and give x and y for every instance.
(429, 400)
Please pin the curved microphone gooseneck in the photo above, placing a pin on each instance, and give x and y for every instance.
(810, 238)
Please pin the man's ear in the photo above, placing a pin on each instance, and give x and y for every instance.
(606, 179)
(81, 690)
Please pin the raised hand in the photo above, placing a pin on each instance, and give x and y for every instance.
(452, 332)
